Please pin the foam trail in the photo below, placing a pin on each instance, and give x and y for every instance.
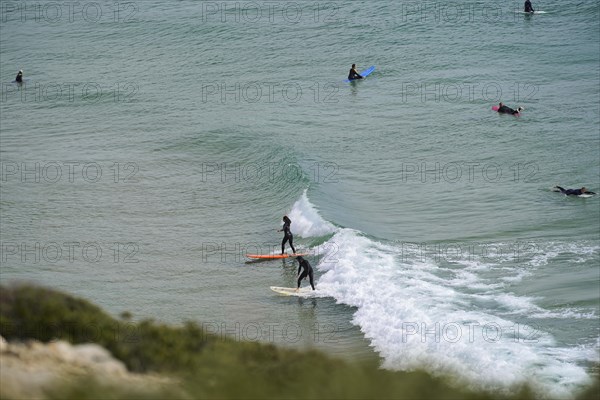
(306, 221)
(415, 317)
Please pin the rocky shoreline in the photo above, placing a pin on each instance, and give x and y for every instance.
(35, 370)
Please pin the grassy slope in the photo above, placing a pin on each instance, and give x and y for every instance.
(209, 366)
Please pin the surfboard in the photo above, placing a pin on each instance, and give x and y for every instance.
(364, 74)
(584, 195)
(496, 108)
(274, 256)
(535, 12)
(303, 292)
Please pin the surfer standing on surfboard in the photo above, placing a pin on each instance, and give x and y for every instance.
(287, 234)
(528, 7)
(306, 271)
(353, 74)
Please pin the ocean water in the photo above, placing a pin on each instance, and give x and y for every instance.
(154, 144)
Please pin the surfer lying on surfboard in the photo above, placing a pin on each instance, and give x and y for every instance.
(287, 234)
(573, 192)
(306, 271)
(507, 110)
(528, 7)
(353, 74)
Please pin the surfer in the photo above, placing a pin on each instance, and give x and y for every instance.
(353, 74)
(574, 192)
(19, 77)
(287, 234)
(528, 7)
(306, 271)
(507, 110)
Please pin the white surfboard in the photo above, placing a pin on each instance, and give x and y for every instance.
(303, 292)
(535, 12)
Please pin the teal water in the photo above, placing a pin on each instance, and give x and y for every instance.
(154, 145)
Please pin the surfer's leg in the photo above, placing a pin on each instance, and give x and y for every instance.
(302, 276)
(292, 243)
(285, 238)
(312, 282)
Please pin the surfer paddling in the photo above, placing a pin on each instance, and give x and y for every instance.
(306, 271)
(353, 74)
(287, 234)
(502, 109)
(572, 192)
(528, 7)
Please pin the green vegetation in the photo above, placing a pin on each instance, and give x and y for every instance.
(208, 366)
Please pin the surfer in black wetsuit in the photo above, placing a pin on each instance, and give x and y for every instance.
(528, 7)
(507, 110)
(306, 271)
(19, 77)
(287, 234)
(353, 74)
(573, 192)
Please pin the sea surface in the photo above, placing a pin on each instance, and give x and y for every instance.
(154, 144)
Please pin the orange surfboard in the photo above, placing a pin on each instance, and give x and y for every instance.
(274, 256)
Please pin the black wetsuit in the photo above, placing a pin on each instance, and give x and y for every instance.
(19, 77)
(507, 110)
(528, 6)
(306, 271)
(352, 75)
(287, 235)
(574, 192)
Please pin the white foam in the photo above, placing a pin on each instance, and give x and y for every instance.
(417, 315)
(306, 221)
(551, 250)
